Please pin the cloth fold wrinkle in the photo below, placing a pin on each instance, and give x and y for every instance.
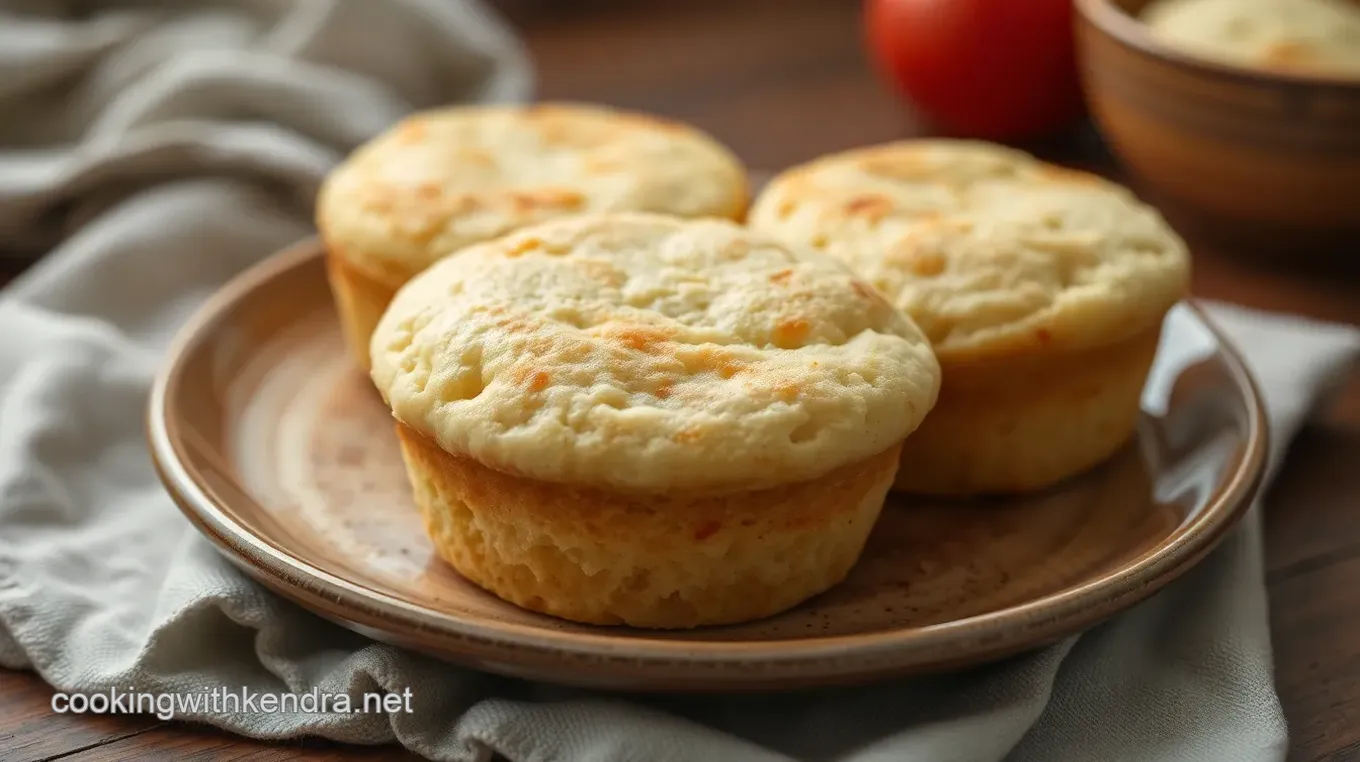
(172, 145)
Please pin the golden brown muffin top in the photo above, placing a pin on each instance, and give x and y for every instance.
(444, 179)
(989, 250)
(649, 353)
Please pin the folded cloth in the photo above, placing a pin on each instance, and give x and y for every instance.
(163, 148)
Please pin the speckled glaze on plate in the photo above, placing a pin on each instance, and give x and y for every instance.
(284, 456)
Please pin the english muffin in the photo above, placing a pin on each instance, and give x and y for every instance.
(1297, 36)
(1041, 289)
(638, 419)
(442, 180)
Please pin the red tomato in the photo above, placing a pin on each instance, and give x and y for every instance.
(997, 69)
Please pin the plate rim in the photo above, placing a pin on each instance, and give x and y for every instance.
(995, 633)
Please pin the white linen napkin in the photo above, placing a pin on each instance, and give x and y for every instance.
(157, 150)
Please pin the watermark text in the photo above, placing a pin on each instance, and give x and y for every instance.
(167, 706)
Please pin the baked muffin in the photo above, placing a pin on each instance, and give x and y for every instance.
(442, 180)
(1295, 36)
(639, 419)
(1041, 289)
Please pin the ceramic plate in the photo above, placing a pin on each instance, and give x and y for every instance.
(285, 457)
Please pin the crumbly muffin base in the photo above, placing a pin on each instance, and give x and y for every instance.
(360, 300)
(1024, 425)
(665, 561)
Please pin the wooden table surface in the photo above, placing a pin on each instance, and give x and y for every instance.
(781, 81)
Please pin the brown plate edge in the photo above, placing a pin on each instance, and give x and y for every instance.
(685, 665)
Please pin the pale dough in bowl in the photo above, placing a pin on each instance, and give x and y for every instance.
(635, 418)
(1297, 36)
(1041, 289)
(444, 179)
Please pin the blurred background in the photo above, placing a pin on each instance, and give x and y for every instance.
(780, 81)
(783, 81)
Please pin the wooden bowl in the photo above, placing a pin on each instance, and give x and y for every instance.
(1257, 159)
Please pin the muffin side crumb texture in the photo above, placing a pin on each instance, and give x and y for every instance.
(672, 562)
(1011, 267)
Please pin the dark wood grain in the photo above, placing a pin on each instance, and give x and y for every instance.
(782, 81)
(1313, 571)
(184, 744)
(30, 730)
